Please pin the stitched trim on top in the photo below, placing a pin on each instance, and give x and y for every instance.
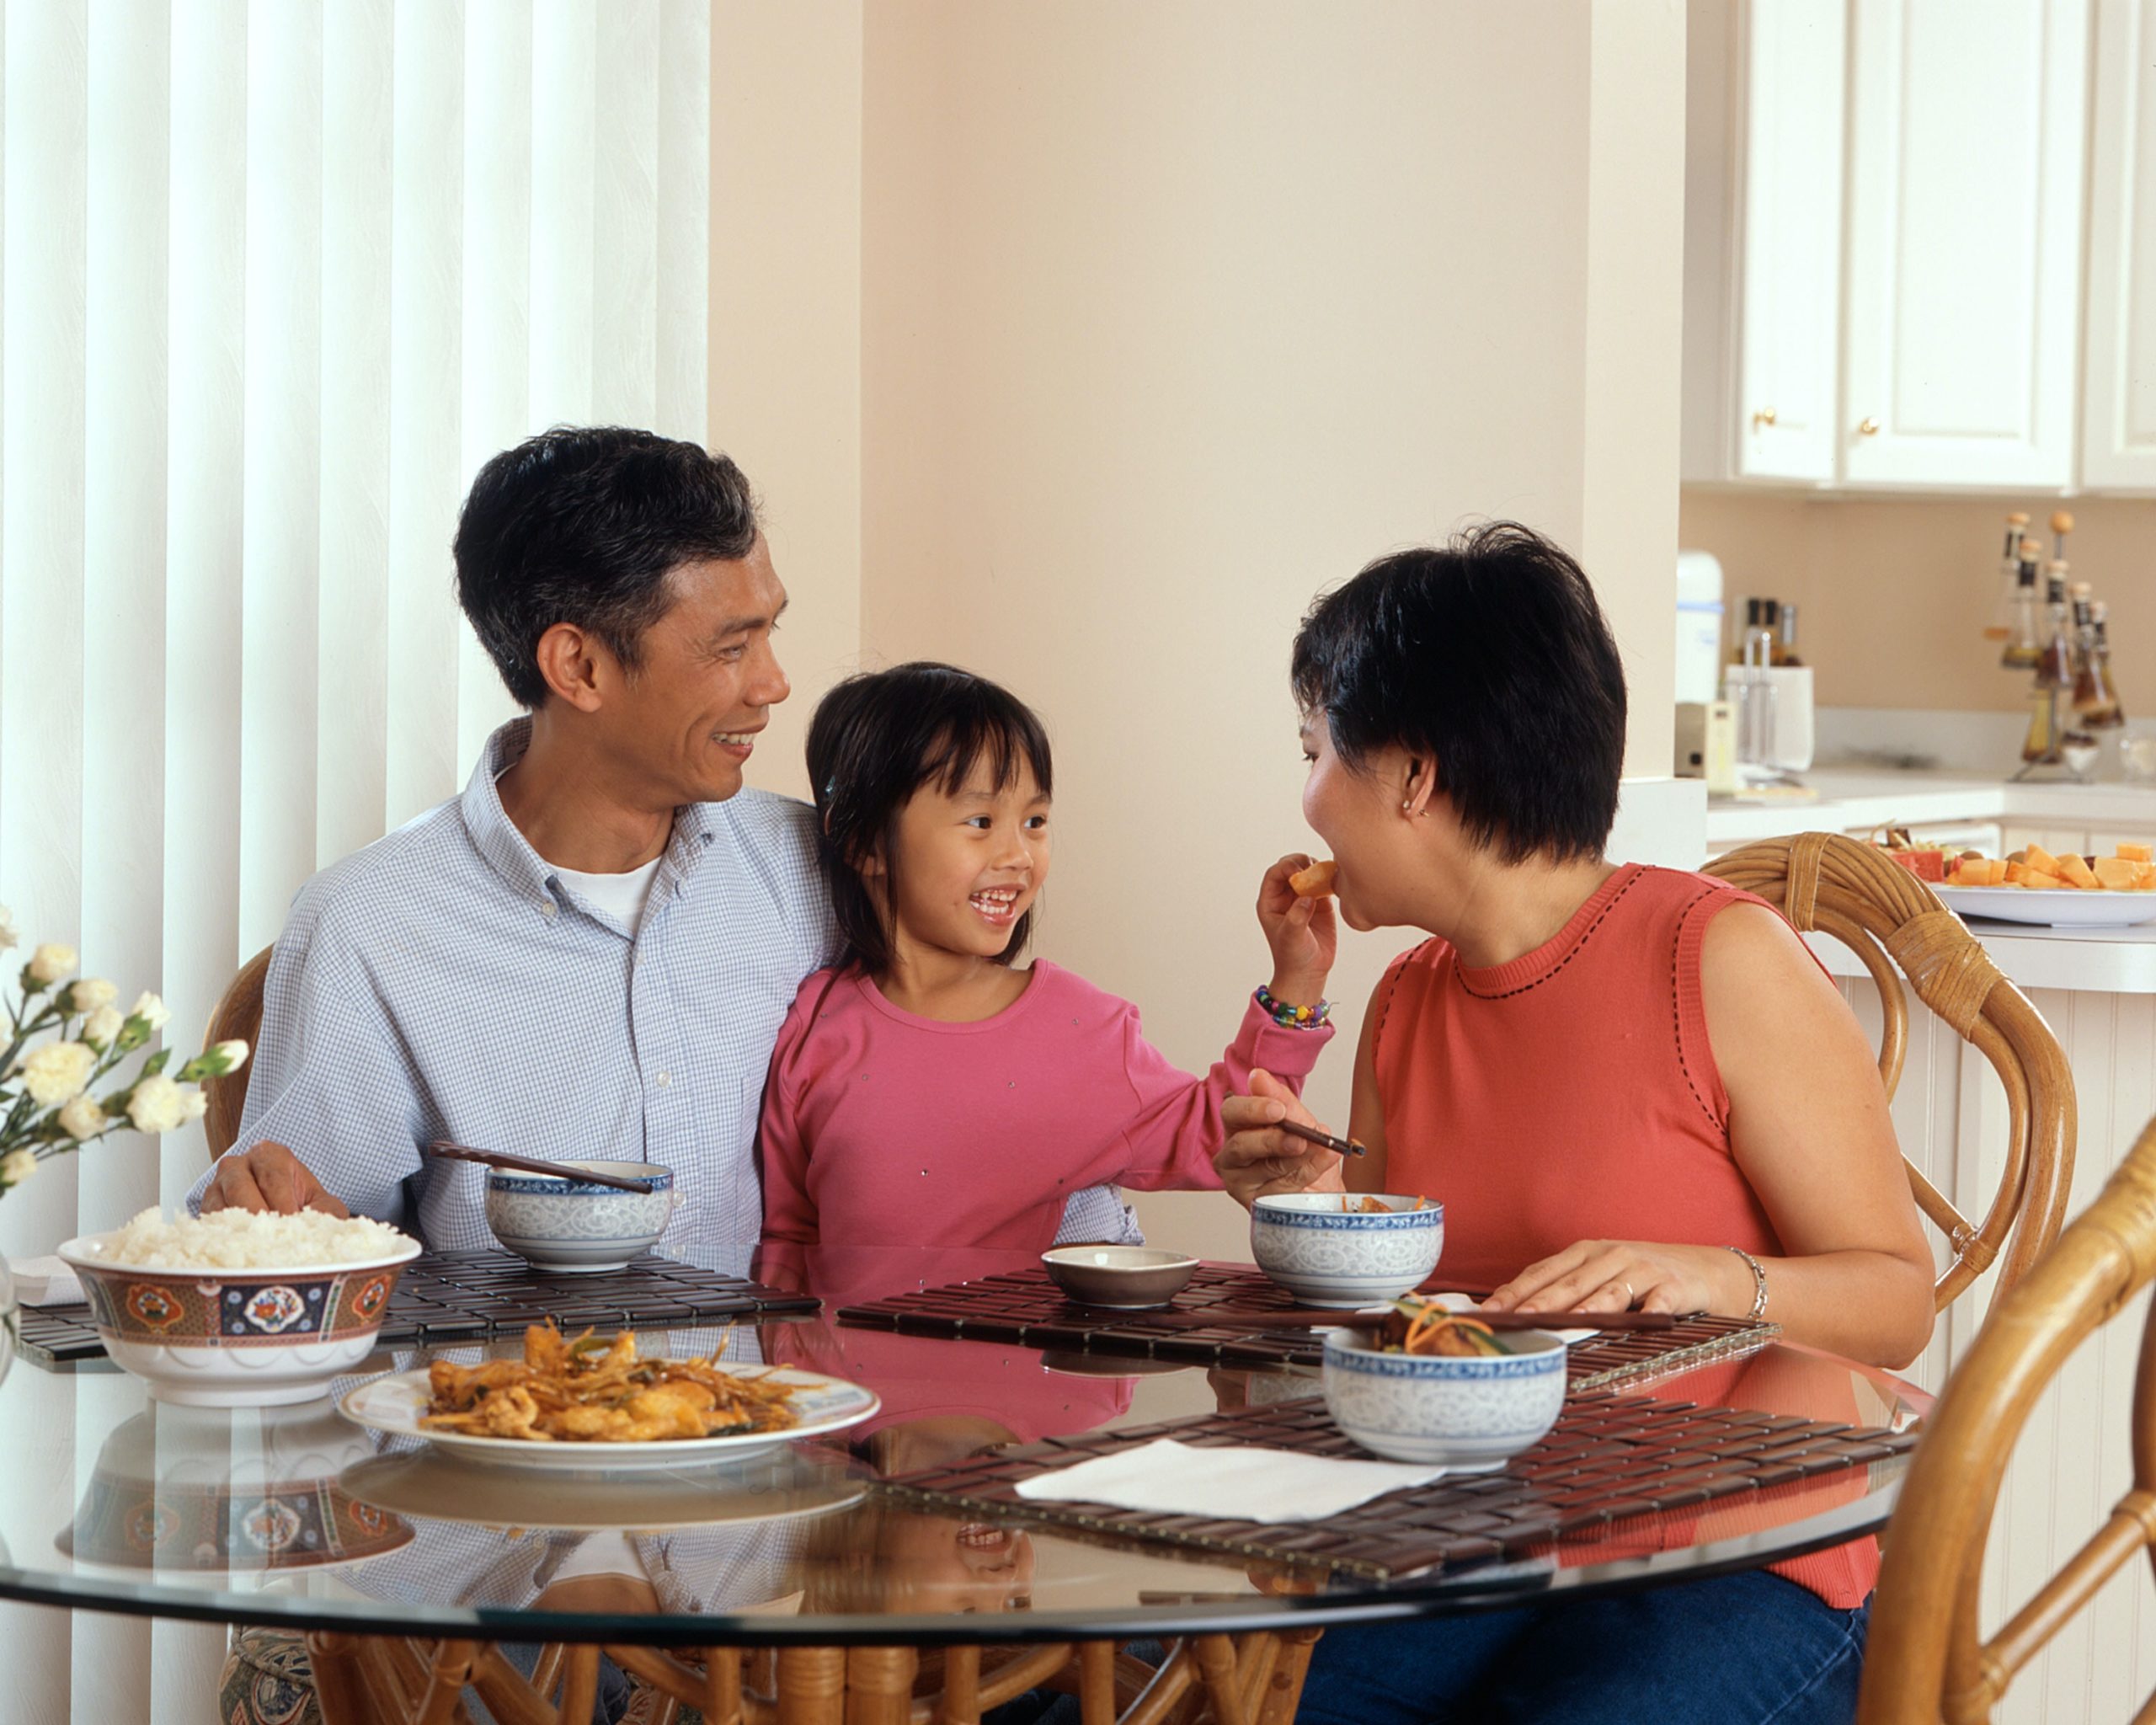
(1578, 947)
(1676, 1007)
(1392, 980)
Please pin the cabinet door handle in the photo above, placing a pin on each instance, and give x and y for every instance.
(1867, 427)
(1764, 416)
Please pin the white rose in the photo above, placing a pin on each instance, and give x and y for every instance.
(233, 1054)
(8, 938)
(50, 962)
(84, 1119)
(151, 1010)
(99, 1028)
(196, 1104)
(158, 1105)
(91, 993)
(56, 1072)
(17, 1166)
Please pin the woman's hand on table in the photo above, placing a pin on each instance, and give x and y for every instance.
(269, 1177)
(1259, 1160)
(1619, 1275)
(1302, 934)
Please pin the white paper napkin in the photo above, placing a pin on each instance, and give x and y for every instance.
(1235, 1482)
(46, 1281)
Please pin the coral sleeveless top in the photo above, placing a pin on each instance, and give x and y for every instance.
(1572, 1094)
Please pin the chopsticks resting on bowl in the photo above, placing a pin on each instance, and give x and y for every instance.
(443, 1148)
(1343, 1147)
(1371, 1320)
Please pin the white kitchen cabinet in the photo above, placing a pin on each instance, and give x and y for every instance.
(1967, 124)
(1764, 238)
(1884, 222)
(2118, 449)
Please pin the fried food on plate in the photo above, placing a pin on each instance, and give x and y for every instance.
(1314, 881)
(590, 1391)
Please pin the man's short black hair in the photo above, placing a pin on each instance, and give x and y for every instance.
(582, 525)
(1489, 655)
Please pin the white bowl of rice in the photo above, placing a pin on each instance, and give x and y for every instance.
(239, 1310)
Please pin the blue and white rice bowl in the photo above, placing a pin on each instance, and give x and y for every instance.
(1325, 1255)
(559, 1222)
(1472, 1412)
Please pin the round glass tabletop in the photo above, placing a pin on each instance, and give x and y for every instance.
(297, 1517)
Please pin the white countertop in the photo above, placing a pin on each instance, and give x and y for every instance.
(1851, 798)
(2077, 960)
(2090, 960)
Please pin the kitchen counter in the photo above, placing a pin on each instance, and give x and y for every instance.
(2107, 961)
(1856, 797)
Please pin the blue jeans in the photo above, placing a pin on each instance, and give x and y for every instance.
(1738, 1649)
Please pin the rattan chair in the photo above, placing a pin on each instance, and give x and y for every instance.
(238, 1014)
(1898, 927)
(1926, 1659)
(1207, 1679)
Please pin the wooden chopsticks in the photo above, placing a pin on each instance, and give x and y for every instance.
(1305, 1320)
(443, 1148)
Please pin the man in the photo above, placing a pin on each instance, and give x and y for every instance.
(590, 952)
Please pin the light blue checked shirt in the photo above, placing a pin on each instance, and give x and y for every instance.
(445, 983)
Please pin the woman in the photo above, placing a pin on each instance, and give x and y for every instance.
(1630, 1087)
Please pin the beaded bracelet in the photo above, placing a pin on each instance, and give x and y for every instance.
(1758, 1282)
(1289, 1018)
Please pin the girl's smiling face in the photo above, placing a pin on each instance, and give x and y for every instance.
(971, 862)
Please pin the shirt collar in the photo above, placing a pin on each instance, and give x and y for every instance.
(509, 854)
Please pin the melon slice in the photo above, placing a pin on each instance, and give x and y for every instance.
(1996, 867)
(2075, 872)
(2041, 861)
(2138, 853)
(2116, 874)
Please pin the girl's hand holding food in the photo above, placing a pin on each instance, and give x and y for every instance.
(1301, 932)
(1259, 1160)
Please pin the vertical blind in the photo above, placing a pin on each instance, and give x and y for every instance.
(275, 278)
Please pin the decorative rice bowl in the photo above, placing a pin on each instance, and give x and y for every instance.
(559, 1222)
(1327, 1254)
(235, 1309)
(1472, 1414)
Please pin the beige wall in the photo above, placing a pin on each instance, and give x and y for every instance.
(785, 322)
(1174, 314)
(1894, 593)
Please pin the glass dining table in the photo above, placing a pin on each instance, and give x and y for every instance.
(795, 1585)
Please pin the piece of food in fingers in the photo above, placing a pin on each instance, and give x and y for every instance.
(1314, 881)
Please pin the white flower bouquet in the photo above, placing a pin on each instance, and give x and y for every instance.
(46, 1108)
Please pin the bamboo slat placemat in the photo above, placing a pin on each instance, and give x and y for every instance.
(1608, 1459)
(475, 1296)
(1027, 1308)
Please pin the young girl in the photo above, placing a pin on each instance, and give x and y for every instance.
(930, 1092)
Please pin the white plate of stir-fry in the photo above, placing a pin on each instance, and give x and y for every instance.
(589, 1405)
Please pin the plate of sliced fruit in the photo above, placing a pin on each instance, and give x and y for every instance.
(2068, 891)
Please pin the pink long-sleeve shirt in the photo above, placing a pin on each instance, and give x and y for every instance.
(881, 1127)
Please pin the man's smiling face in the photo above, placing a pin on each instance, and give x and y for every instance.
(683, 722)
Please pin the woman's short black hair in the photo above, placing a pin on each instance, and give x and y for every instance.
(582, 525)
(876, 740)
(1489, 654)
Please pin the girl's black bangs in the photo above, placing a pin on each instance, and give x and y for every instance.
(1007, 738)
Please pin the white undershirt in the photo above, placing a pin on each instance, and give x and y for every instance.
(621, 896)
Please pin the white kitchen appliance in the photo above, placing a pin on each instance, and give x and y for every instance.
(1698, 627)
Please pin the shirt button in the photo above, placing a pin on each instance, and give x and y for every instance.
(663, 1079)
(546, 907)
